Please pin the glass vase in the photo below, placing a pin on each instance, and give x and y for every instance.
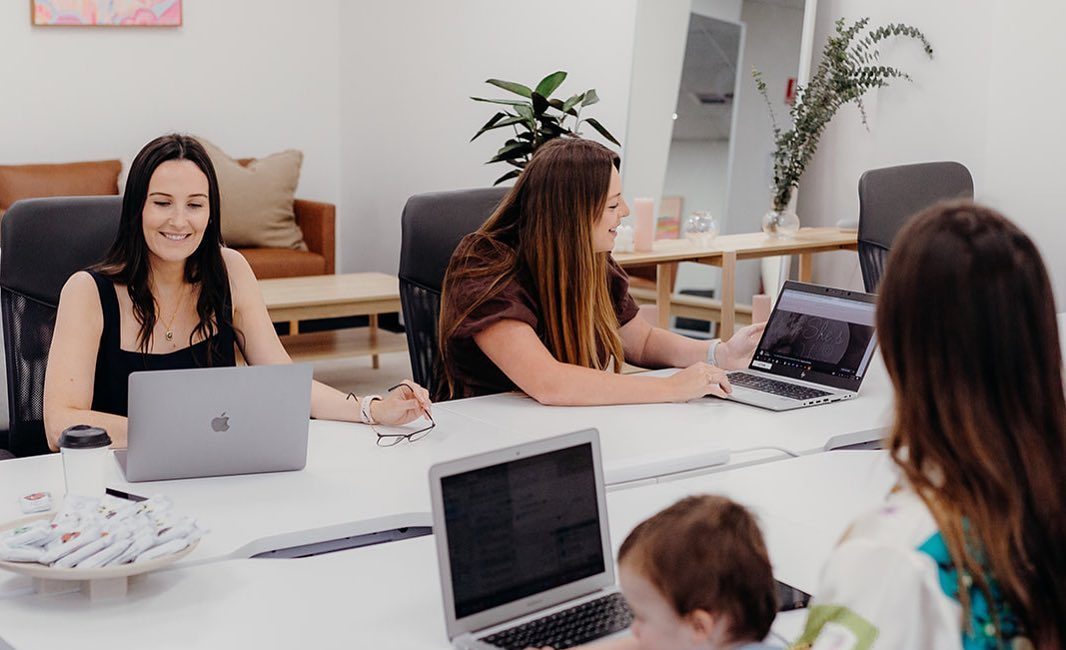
(700, 228)
(781, 220)
(780, 223)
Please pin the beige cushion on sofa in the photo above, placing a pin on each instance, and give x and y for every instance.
(257, 199)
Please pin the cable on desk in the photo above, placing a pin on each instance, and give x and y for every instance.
(766, 448)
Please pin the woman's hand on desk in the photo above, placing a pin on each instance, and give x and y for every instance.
(405, 404)
(698, 380)
(736, 353)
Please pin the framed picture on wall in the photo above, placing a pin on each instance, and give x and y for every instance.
(111, 13)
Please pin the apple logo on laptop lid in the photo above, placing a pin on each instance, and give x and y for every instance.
(221, 423)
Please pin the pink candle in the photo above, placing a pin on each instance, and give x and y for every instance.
(760, 308)
(643, 224)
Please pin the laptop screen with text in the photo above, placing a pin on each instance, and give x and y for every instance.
(522, 527)
(827, 339)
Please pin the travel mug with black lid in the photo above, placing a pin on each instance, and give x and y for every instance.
(84, 452)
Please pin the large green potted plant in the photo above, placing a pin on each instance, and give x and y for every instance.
(536, 119)
(847, 71)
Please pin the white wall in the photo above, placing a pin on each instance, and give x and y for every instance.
(697, 171)
(658, 53)
(771, 44)
(1021, 172)
(253, 76)
(658, 56)
(987, 99)
(407, 71)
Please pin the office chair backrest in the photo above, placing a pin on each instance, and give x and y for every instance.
(890, 196)
(432, 226)
(43, 242)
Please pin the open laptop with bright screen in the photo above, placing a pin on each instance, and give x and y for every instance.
(521, 532)
(816, 348)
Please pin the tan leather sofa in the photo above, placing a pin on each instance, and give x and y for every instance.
(317, 221)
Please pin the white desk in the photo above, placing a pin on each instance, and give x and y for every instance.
(349, 487)
(388, 596)
(352, 487)
(805, 504)
(635, 433)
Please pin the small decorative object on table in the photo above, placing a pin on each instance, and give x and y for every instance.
(643, 224)
(623, 243)
(700, 228)
(846, 72)
(761, 305)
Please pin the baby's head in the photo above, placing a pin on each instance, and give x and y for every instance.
(697, 575)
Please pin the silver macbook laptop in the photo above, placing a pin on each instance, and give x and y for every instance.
(816, 349)
(523, 546)
(217, 421)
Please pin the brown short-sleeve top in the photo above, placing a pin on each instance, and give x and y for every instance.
(472, 372)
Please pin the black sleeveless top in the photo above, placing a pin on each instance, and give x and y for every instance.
(114, 365)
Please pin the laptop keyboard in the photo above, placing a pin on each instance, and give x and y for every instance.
(569, 627)
(774, 387)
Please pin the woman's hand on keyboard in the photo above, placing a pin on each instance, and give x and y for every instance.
(698, 380)
(736, 353)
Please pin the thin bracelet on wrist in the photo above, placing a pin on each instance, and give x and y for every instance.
(712, 352)
(364, 408)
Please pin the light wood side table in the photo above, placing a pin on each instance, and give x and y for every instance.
(725, 251)
(330, 296)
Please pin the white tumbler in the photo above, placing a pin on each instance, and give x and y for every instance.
(84, 452)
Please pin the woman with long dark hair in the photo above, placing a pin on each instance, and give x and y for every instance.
(169, 295)
(534, 301)
(970, 550)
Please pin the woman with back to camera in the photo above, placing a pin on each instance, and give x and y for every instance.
(970, 550)
(169, 295)
(534, 301)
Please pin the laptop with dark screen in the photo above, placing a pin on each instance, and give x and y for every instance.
(523, 546)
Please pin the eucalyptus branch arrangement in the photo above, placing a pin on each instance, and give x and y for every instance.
(847, 71)
(536, 119)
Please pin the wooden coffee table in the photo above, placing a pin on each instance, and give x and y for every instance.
(330, 296)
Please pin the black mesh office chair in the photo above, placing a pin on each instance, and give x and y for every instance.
(432, 225)
(44, 241)
(890, 196)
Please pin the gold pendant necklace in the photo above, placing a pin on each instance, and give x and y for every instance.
(169, 327)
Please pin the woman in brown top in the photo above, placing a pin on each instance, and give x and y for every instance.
(534, 301)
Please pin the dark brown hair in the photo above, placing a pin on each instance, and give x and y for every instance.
(706, 552)
(127, 261)
(967, 324)
(545, 224)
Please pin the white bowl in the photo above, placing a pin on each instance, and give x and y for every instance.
(45, 572)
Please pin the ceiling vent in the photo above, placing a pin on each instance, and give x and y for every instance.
(708, 99)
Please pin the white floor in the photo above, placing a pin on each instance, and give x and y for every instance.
(357, 376)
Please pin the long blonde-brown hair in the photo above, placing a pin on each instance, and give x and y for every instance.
(967, 325)
(544, 225)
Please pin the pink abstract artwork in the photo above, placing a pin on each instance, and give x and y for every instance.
(118, 13)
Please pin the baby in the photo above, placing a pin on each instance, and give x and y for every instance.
(696, 576)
